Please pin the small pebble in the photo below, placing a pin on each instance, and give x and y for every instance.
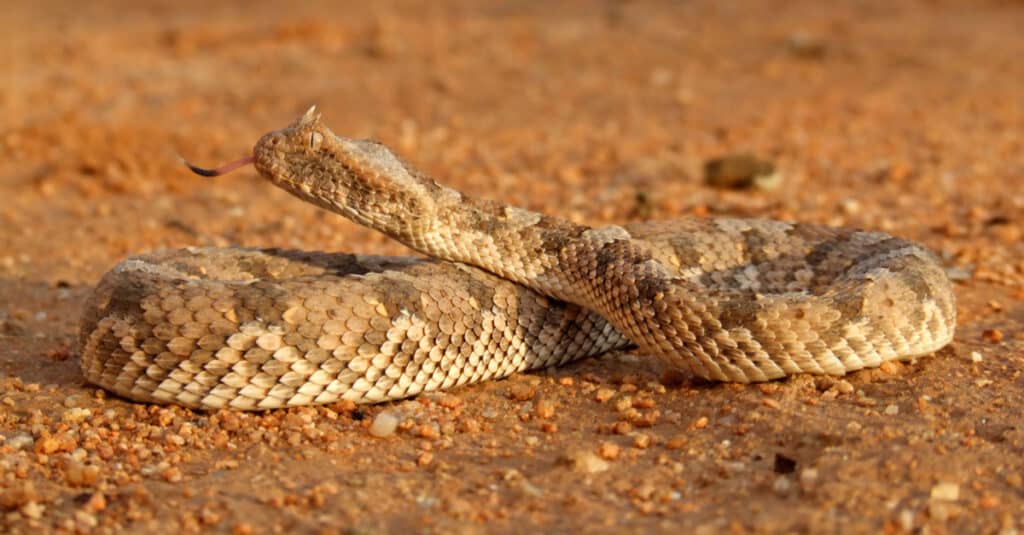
(890, 367)
(976, 356)
(209, 516)
(529, 489)
(782, 485)
(644, 403)
(850, 206)
(429, 431)
(741, 171)
(86, 519)
(81, 475)
(20, 441)
(545, 408)
(384, 424)
(608, 451)
(33, 510)
(47, 445)
(949, 492)
(805, 46)
(906, 520)
(783, 464)
(97, 502)
(75, 415)
(808, 478)
(18, 495)
(521, 392)
(586, 462)
(604, 394)
(676, 442)
(172, 474)
(939, 510)
(993, 335)
(892, 410)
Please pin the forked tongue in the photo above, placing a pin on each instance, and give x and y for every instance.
(224, 169)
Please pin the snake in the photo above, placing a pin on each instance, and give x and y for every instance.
(500, 290)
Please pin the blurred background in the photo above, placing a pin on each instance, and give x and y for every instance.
(878, 114)
(898, 116)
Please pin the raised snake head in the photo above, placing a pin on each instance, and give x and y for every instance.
(359, 179)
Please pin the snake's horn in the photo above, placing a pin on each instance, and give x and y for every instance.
(224, 169)
(310, 115)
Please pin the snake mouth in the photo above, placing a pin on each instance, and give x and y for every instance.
(222, 170)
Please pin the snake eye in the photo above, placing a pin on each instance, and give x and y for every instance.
(314, 139)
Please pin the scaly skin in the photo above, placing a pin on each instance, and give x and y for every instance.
(729, 299)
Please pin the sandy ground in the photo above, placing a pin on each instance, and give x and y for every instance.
(900, 116)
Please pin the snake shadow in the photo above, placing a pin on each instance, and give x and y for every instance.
(39, 331)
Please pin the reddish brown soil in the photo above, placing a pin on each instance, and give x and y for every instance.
(900, 116)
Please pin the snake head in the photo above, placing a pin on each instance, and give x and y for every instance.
(359, 179)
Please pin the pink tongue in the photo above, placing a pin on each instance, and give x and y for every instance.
(226, 168)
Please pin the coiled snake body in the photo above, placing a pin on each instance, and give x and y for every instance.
(727, 299)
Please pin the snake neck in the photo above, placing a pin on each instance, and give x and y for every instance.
(514, 243)
(603, 269)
